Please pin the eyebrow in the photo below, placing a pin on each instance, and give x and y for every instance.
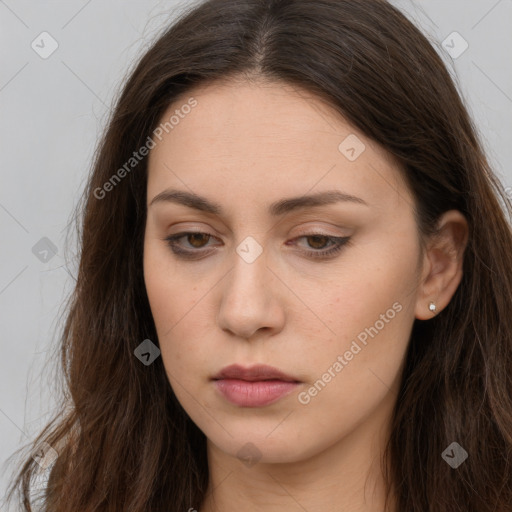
(275, 209)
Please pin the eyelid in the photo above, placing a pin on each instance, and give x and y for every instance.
(322, 231)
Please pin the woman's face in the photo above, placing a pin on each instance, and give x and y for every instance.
(262, 283)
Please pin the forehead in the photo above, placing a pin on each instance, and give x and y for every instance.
(268, 140)
(261, 117)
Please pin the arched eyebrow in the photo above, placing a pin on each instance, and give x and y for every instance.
(277, 208)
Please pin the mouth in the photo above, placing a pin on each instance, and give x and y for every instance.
(256, 386)
(258, 372)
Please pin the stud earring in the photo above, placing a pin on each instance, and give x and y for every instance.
(432, 307)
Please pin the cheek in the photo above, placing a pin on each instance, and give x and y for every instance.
(356, 368)
(162, 289)
(178, 307)
(170, 293)
(158, 280)
(378, 279)
(371, 307)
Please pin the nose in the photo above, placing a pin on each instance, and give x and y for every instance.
(252, 298)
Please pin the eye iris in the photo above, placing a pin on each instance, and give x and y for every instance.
(317, 238)
(197, 237)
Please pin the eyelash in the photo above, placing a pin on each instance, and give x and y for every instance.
(338, 241)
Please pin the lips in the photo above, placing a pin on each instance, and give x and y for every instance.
(257, 386)
(254, 373)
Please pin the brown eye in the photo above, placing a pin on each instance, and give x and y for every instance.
(195, 239)
(319, 241)
(191, 245)
(323, 246)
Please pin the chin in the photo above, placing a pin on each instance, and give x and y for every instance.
(257, 447)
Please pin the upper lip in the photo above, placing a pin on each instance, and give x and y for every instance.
(254, 373)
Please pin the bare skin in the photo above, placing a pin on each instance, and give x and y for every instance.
(245, 146)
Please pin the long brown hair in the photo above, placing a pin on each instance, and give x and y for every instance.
(123, 440)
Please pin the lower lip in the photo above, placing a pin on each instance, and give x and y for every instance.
(254, 394)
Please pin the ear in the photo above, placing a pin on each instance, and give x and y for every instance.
(442, 264)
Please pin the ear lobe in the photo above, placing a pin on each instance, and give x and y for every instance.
(443, 264)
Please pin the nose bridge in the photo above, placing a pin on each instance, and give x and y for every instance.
(249, 274)
(247, 301)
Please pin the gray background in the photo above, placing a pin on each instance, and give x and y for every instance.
(52, 112)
